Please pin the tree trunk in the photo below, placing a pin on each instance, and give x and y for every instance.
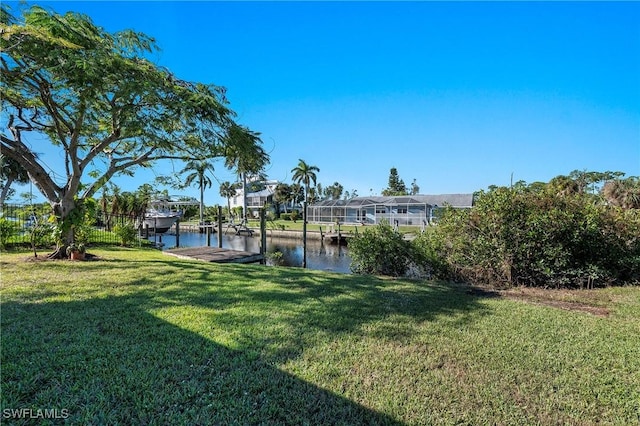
(5, 190)
(201, 202)
(62, 210)
(244, 195)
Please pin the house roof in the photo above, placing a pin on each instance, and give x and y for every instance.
(264, 193)
(454, 200)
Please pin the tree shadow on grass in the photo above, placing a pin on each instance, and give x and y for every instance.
(131, 359)
(280, 311)
(286, 308)
(107, 361)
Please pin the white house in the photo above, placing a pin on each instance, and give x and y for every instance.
(257, 199)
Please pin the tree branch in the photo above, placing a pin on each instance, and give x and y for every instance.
(19, 152)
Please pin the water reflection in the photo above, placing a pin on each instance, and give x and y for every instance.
(326, 257)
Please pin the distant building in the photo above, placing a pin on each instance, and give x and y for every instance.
(418, 210)
(257, 199)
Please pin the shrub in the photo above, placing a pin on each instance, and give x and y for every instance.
(126, 232)
(427, 253)
(8, 229)
(535, 236)
(75, 247)
(41, 235)
(82, 233)
(380, 250)
(285, 216)
(276, 258)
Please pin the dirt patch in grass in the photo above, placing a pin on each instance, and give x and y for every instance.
(593, 302)
(40, 258)
(482, 292)
(45, 258)
(589, 301)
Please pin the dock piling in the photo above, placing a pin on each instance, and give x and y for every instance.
(304, 233)
(263, 234)
(219, 226)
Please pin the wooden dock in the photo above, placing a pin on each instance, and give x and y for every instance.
(202, 229)
(214, 254)
(336, 238)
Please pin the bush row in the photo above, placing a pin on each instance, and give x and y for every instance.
(519, 236)
(294, 215)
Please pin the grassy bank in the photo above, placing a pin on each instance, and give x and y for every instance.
(142, 338)
(313, 227)
(289, 225)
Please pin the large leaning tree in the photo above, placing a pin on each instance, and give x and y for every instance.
(94, 96)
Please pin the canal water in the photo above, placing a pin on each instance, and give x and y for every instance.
(320, 256)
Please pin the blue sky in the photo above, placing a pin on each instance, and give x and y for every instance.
(456, 95)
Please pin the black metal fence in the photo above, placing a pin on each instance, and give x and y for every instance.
(33, 224)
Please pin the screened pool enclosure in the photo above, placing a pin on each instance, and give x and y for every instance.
(416, 210)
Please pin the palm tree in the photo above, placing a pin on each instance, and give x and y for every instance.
(198, 169)
(244, 153)
(305, 174)
(228, 190)
(623, 193)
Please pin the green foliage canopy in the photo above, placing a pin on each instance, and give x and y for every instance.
(546, 235)
(97, 97)
(581, 230)
(306, 175)
(10, 171)
(396, 185)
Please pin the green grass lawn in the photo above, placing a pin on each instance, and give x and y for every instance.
(143, 338)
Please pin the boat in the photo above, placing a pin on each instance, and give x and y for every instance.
(159, 221)
(162, 214)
